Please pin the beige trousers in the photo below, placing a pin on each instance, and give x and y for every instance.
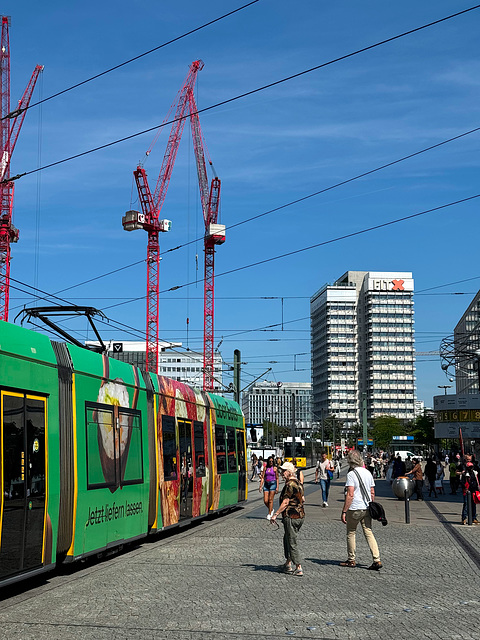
(353, 518)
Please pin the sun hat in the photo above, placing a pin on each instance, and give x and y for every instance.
(288, 466)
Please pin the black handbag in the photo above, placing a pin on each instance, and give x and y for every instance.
(375, 509)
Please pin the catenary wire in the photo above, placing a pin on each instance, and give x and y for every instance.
(141, 55)
(314, 246)
(318, 244)
(289, 204)
(247, 93)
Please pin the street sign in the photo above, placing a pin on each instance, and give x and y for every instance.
(369, 442)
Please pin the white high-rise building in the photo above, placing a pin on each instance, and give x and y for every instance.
(363, 347)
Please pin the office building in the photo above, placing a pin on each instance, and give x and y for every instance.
(173, 361)
(362, 331)
(273, 402)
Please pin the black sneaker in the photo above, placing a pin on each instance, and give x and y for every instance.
(375, 566)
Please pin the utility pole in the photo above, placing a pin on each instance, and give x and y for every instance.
(364, 421)
(293, 425)
(333, 448)
(323, 430)
(236, 375)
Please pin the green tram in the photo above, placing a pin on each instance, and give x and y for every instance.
(95, 453)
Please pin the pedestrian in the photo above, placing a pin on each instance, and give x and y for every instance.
(454, 479)
(269, 484)
(254, 467)
(299, 473)
(370, 464)
(259, 465)
(469, 481)
(417, 475)
(408, 465)
(439, 478)
(389, 472)
(398, 467)
(324, 466)
(431, 475)
(293, 516)
(355, 510)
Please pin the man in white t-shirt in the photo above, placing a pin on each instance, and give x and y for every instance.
(355, 509)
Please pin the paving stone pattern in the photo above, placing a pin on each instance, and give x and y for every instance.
(220, 579)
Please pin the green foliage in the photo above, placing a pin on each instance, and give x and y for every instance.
(424, 430)
(384, 428)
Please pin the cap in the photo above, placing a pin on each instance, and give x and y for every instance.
(288, 466)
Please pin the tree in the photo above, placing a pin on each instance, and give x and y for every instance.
(384, 428)
(424, 430)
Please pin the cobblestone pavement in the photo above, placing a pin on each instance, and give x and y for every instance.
(220, 579)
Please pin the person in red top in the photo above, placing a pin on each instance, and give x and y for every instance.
(469, 481)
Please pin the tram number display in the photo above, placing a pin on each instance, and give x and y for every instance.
(458, 415)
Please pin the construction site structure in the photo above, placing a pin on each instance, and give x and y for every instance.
(148, 219)
(10, 125)
(214, 234)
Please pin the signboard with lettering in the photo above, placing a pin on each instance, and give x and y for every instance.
(390, 283)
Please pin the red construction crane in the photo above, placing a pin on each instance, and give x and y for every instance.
(10, 125)
(151, 205)
(214, 234)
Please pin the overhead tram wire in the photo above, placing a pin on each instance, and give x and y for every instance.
(332, 240)
(141, 55)
(289, 204)
(313, 246)
(115, 324)
(251, 92)
(338, 184)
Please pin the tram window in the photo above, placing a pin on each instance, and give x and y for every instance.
(232, 453)
(131, 443)
(220, 448)
(101, 452)
(169, 448)
(199, 443)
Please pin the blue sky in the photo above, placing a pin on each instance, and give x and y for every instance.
(269, 149)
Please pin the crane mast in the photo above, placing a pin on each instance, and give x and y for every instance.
(151, 206)
(10, 125)
(214, 234)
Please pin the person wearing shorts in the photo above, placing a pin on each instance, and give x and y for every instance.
(269, 485)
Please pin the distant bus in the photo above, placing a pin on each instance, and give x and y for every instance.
(300, 454)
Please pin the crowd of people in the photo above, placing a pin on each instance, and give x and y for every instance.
(359, 492)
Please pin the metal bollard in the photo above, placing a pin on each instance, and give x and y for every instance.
(469, 508)
(407, 508)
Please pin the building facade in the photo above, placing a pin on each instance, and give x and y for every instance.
(273, 402)
(362, 329)
(173, 361)
(466, 339)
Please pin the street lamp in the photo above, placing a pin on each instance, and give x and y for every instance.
(444, 386)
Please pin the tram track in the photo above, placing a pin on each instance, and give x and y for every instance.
(469, 549)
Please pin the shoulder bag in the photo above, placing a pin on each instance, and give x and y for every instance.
(375, 509)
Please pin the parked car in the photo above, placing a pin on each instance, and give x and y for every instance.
(404, 455)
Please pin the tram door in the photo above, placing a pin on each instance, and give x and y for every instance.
(186, 469)
(242, 467)
(22, 457)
